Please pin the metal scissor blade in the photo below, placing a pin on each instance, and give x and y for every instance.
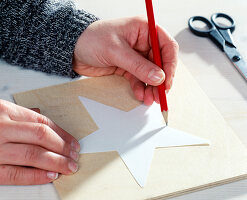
(238, 61)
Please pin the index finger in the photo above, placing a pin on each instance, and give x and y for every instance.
(19, 113)
(169, 55)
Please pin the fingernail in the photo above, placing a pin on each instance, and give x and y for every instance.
(52, 175)
(167, 91)
(156, 76)
(74, 155)
(75, 146)
(73, 166)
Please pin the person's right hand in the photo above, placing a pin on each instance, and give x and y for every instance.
(33, 149)
(123, 47)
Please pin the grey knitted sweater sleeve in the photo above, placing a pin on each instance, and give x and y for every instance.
(41, 34)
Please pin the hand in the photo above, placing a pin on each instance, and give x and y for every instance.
(123, 47)
(33, 149)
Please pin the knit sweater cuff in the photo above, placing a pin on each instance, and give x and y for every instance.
(41, 35)
(60, 59)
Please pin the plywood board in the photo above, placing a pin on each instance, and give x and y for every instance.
(174, 171)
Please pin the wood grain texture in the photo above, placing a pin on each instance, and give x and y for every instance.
(174, 171)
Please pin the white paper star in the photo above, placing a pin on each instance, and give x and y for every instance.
(134, 135)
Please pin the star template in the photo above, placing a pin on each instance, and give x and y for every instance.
(134, 135)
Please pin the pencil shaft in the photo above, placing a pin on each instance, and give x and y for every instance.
(156, 52)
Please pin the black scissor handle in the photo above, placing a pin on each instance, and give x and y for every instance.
(227, 17)
(211, 32)
(197, 31)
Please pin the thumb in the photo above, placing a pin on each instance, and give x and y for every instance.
(128, 59)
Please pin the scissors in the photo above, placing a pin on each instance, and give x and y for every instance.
(221, 35)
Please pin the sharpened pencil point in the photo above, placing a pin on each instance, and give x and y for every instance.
(165, 116)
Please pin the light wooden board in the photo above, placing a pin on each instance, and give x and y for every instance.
(174, 171)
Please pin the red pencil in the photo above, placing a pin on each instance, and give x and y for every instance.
(157, 58)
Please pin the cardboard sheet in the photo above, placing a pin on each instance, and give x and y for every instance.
(174, 171)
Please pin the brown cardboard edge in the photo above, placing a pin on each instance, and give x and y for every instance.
(200, 188)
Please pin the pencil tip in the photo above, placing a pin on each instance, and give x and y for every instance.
(165, 116)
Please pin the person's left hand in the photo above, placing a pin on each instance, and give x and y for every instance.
(123, 47)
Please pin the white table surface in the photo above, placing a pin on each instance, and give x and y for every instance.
(210, 67)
